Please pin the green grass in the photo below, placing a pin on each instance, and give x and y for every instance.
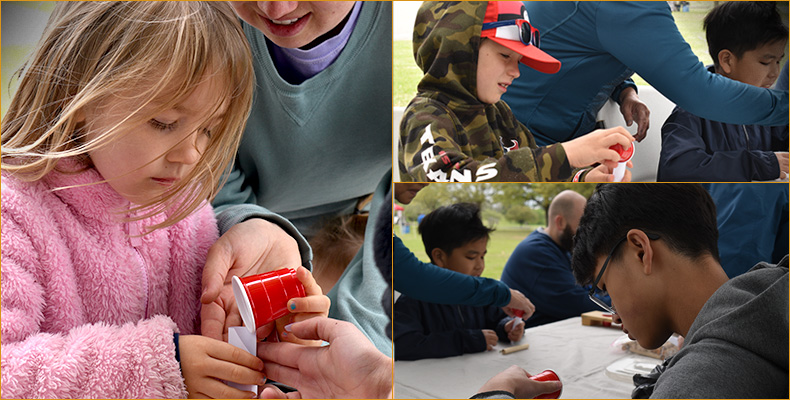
(405, 73)
(500, 246)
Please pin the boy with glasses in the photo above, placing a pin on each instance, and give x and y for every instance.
(458, 130)
(653, 248)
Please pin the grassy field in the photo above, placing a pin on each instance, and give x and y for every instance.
(406, 74)
(500, 246)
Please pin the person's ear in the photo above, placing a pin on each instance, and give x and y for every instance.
(439, 257)
(559, 222)
(640, 244)
(79, 116)
(726, 61)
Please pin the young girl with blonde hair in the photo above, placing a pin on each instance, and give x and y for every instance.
(125, 118)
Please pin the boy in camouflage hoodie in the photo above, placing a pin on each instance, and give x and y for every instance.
(458, 130)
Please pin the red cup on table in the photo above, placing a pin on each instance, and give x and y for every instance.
(547, 375)
(625, 156)
(264, 297)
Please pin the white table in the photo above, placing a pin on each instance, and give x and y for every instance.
(578, 354)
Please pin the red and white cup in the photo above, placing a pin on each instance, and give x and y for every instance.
(547, 375)
(263, 298)
(625, 156)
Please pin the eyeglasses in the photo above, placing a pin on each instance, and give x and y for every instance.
(599, 302)
(515, 29)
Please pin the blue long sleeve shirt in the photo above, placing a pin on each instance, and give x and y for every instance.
(427, 282)
(540, 269)
(428, 330)
(602, 43)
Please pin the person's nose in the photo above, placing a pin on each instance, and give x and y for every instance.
(189, 150)
(277, 9)
(774, 72)
(513, 69)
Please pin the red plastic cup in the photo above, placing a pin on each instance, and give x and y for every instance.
(547, 375)
(625, 154)
(263, 298)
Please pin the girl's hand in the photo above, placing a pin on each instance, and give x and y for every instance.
(314, 304)
(594, 147)
(602, 173)
(206, 361)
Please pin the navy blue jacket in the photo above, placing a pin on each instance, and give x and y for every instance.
(694, 149)
(429, 330)
(541, 270)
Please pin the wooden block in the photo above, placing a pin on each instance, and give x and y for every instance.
(513, 349)
(596, 318)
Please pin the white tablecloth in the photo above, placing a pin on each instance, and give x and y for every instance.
(578, 354)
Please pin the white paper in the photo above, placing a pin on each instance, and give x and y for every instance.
(240, 337)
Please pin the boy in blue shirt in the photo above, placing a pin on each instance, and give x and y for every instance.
(746, 41)
(455, 238)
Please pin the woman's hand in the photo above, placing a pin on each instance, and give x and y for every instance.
(349, 367)
(314, 304)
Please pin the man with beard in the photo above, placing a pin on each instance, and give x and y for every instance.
(540, 266)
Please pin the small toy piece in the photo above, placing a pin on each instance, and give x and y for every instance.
(263, 298)
(596, 318)
(547, 375)
(625, 156)
(514, 349)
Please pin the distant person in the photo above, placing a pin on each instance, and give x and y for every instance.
(600, 44)
(653, 248)
(455, 238)
(746, 40)
(541, 265)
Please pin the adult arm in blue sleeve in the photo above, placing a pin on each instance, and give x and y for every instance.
(643, 36)
(427, 282)
(413, 341)
(685, 157)
(618, 90)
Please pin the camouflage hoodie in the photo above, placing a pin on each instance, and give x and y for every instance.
(447, 134)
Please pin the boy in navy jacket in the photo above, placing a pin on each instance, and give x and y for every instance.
(746, 41)
(455, 238)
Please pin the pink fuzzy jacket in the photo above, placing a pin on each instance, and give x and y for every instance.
(87, 311)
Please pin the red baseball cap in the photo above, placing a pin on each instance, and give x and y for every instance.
(507, 23)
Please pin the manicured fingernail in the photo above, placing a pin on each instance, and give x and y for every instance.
(287, 328)
(293, 305)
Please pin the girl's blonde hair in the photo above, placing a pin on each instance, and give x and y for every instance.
(91, 51)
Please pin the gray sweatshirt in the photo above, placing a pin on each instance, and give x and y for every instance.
(737, 346)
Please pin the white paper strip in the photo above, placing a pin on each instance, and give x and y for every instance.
(240, 337)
